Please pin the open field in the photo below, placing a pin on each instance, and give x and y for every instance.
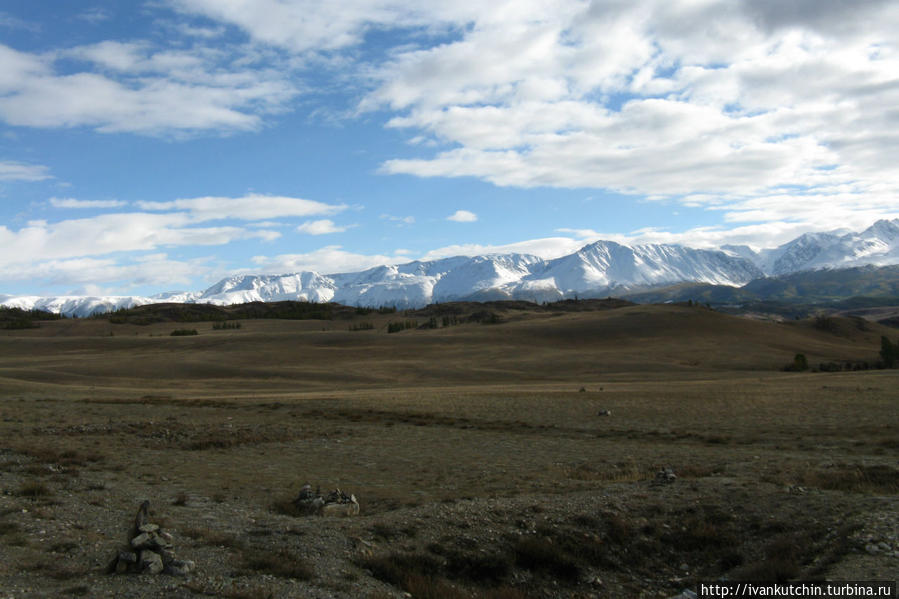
(479, 454)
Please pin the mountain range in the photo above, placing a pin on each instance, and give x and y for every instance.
(599, 269)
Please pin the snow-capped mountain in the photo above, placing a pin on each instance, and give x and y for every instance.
(877, 245)
(598, 269)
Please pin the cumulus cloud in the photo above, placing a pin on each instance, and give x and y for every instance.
(311, 26)
(399, 220)
(153, 269)
(462, 216)
(320, 227)
(733, 100)
(250, 207)
(18, 171)
(111, 233)
(129, 87)
(327, 260)
(73, 203)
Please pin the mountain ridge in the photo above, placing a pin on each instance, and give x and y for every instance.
(598, 269)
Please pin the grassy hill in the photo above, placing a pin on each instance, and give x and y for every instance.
(540, 437)
(530, 343)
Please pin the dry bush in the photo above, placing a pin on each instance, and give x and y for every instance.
(540, 554)
(624, 472)
(8, 528)
(854, 479)
(281, 562)
(213, 538)
(33, 490)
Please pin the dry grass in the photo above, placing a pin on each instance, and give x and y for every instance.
(280, 562)
(34, 490)
(438, 416)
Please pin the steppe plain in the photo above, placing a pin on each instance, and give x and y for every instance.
(512, 460)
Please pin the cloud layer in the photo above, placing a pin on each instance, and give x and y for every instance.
(776, 117)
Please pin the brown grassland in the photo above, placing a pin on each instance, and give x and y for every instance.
(478, 452)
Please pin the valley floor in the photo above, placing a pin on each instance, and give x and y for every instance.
(494, 485)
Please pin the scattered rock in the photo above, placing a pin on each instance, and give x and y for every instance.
(336, 503)
(604, 413)
(665, 476)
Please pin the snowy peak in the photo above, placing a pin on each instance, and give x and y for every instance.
(877, 245)
(606, 265)
(598, 269)
(304, 286)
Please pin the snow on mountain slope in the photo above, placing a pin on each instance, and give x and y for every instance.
(303, 286)
(597, 269)
(877, 245)
(483, 273)
(606, 265)
(75, 305)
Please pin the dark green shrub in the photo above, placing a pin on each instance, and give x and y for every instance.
(799, 364)
(396, 327)
(184, 332)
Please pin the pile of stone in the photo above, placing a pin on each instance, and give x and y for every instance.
(149, 550)
(665, 476)
(335, 503)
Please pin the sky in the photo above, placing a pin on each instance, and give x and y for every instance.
(162, 145)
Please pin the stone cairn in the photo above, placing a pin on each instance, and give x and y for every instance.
(335, 503)
(149, 550)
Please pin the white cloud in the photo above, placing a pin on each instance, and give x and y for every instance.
(547, 248)
(110, 233)
(400, 220)
(18, 171)
(327, 260)
(250, 207)
(463, 216)
(142, 91)
(737, 100)
(320, 227)
(156, 269)
(95, 15)
(73, 203)
(311, 26)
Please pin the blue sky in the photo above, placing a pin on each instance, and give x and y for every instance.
(162, 145)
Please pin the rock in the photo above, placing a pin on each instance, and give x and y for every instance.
(148, 527)
(604, 413)
(337, 503)
(341, 509)
(150, 562)
(145, 540)
(143, 514)
(124, 562)
(180, 567)
(665, 476)
(872, 549)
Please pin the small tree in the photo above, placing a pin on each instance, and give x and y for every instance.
(799, 364)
